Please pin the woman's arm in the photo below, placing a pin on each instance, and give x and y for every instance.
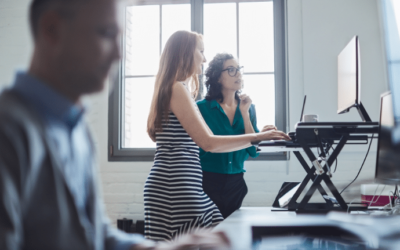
(244, 106)
(185, 109)
(249, 116)
(252, 151)
(248, 126)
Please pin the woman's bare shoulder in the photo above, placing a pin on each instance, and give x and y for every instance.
(179, 84)
(180, 88)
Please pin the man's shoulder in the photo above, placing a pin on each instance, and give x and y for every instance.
(10, 102)
(15, 110)
(21, 132)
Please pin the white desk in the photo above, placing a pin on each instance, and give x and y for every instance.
(374, 230)
(238, 225)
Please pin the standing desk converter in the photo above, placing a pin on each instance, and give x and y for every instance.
(322, 136)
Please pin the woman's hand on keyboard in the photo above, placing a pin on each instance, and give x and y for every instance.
(272, 135)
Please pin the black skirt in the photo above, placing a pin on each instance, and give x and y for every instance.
(227, 191)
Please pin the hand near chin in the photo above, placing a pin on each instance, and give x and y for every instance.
(245, 103)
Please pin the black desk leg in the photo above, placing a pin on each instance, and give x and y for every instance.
(335, 192)
(310, 192)
(338, 149)
(327, 180)
(310, 176)
(324, 176)
(310, 173)
(292, 203)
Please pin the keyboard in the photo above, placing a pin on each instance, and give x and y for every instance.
(278, 143)
(335, 128)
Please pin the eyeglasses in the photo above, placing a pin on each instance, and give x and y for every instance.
(233, 71)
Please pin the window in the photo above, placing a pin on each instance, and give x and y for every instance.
(246, 30)
(253, 31)
(155, 24)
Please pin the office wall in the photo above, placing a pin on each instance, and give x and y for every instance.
(15, 42)
(317, 31)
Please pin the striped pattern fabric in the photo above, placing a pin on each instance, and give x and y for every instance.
(174, 200)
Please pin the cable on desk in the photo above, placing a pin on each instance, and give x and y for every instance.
(390, 200)
(359, 171)
(348, 207)
(336, 160)
(372, 200)
(395, 194)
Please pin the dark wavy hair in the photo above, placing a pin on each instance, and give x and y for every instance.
(213, 73)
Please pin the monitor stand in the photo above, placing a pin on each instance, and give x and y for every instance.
(363, 113)
(320, 170)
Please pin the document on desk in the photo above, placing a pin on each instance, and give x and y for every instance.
(285, 199)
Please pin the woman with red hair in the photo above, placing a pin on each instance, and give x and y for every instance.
(174, 199)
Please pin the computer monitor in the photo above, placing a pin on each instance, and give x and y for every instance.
(349, 80)
(390, 24)
(387, 170)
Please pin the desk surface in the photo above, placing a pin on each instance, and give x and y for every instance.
(373, 230)
(238, 225)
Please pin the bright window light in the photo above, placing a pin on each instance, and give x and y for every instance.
(172, 21)
(243, 29)
(256, 40)
(142, 53)
(137, 107)
(263, 97)
(249, 24)
(396, 8)
(220, 29)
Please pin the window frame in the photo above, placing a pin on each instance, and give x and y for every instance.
(116, 110)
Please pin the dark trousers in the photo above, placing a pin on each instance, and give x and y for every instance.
(227, 191)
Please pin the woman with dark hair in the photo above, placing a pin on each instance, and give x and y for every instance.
(226, 112)
(174, 200)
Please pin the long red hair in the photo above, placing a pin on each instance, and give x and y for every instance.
(176, 64)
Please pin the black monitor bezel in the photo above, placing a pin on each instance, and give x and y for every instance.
(377, 179)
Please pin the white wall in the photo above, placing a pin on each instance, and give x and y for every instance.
(15, 41)
(317, 31)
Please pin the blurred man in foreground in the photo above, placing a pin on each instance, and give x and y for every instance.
(48, 183)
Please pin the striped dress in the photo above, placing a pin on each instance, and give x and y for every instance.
(174, 200)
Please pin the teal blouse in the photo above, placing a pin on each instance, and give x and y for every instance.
(218, 121)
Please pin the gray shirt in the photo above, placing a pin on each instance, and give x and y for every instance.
(48, 179)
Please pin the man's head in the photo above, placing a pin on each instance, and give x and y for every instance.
(39, 7)
(76, 42)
